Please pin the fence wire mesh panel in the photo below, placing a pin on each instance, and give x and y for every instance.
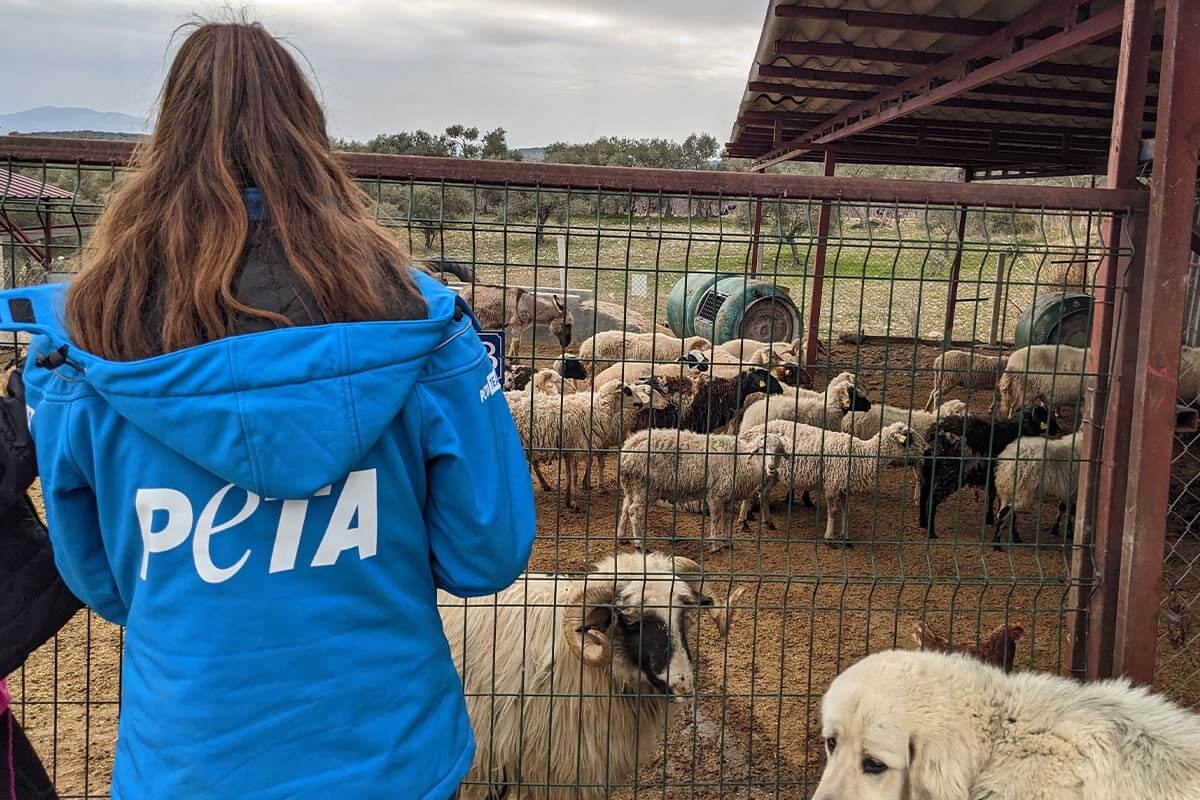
(1179, 627)
(803, 430)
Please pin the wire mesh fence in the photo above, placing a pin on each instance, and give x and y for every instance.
(813, 469)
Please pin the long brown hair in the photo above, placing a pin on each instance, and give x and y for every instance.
(236, 110)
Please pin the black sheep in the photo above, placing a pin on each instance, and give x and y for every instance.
(962, 451)
(570, 368)
(707, 404)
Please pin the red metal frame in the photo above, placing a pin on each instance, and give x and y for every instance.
(27, 244)
(1151, 435)
(1108, 402)
(578, 176)
(786, 47)
(891, 20)
(961, 73)
(870, 79)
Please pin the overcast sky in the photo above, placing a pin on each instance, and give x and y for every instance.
(546, 70)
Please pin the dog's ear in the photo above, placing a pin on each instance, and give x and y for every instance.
(938, 768)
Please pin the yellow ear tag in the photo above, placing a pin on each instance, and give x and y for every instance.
(762, 384)
(1041, 426)
(902, 438)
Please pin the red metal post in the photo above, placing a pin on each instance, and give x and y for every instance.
(1108, 400)
(754, 238)
(955, 269)
(48, 226)
(1168, 242)
(814, 301)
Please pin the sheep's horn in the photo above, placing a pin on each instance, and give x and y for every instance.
(723, 615)
(591, 646)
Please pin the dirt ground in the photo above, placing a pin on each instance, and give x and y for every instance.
(810, 611)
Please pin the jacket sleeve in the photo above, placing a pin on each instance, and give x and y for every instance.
(479, 499)
(34, 601)
(73, 515)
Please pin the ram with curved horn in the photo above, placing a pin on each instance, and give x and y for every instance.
(571, 681)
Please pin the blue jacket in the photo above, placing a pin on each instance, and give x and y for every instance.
(270, 516)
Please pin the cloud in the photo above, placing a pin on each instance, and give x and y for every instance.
(544, 69)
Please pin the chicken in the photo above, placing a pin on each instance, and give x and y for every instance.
(999, 648)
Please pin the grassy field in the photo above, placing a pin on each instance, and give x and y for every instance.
(886, 279)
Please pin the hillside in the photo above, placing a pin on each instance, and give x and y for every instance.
(54, 118)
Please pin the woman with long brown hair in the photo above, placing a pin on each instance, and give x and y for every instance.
(265, 442)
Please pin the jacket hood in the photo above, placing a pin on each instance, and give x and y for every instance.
(281, 413)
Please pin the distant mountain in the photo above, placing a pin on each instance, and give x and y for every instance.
(53, 118)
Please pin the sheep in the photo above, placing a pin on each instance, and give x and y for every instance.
(573, 424)
(682, 465)
(571, 681)
(635, 370)
(1032, 469)
(753, 351)
(608, 347)
(864, 425)
(515, 309)
(965, 370)
(1052, 373)
(573, 372)
(662, 347)
(714, 403)
(837, 464)
(961, 451)
(517, 376)
(603, 348)
(823, 410)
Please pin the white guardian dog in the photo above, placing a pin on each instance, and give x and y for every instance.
(905, 725)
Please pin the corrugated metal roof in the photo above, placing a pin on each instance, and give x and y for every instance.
(1015, 120)
(14, 186)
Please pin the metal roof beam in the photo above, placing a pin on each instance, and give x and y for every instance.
(925, 23)
(868, 79)
(890, 55)
(960, 73)
(801, 118)
(949, 101)
(900, 22)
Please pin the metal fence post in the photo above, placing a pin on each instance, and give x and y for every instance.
(755, 255)
(998, 297)
(955, 268)
(814, 307)
(1168, 243)
(1108, 401)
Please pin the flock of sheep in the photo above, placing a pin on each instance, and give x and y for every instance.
(607, 657)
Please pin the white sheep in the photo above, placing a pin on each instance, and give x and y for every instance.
(662, 346)
(686, 466)
(865, 424)
(964, 370)
(835, 463)
(573, 425)
(1051, 373)
(1033, 469)
(629, 371)
(604, 348)
(571, 681)
(825, 409)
